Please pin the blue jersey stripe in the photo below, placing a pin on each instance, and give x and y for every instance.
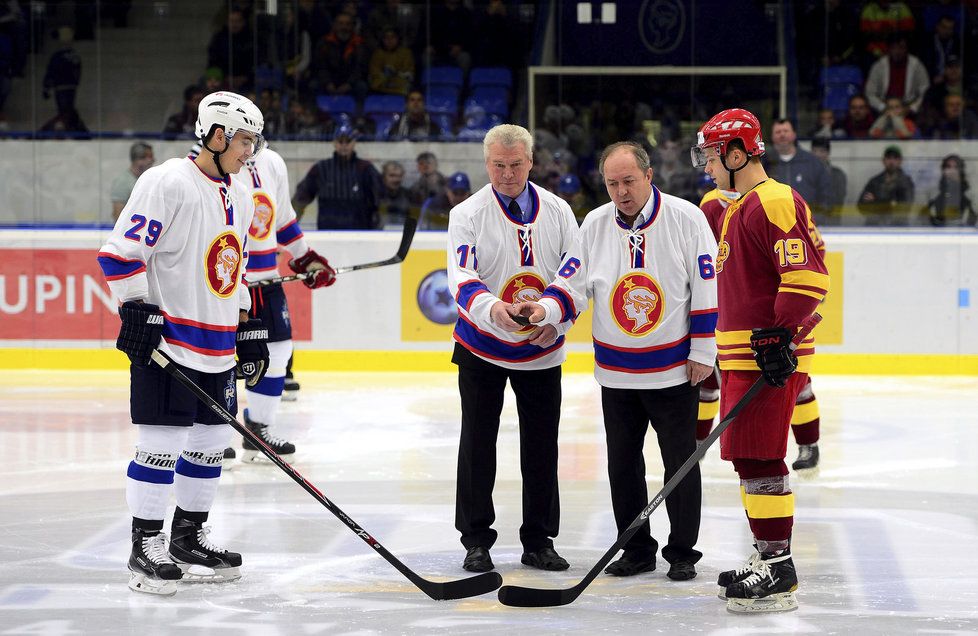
(566, 304)
(641, 360)
(262, 261)
(190, 469)
(149, 475)
(289, 233)
(467, 291)
(200, 338)
(114, 268)
(703, 324)
(272, 387)
(490, 347)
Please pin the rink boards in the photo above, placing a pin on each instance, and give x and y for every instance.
(900, 303)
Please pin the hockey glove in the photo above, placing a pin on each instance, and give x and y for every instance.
(773, 354)
(313, 262)
(142, 328)
(252, 352)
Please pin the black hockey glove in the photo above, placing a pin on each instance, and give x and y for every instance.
(142, 328)
(252, 352)
(773, 354)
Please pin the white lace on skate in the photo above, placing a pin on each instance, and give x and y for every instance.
(270, 439)
(781, 602)
(750, 566)
(154, 548)
(196, 573)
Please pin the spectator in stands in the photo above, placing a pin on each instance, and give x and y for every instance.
(952, 206)
(401, 16)
(391, 66)
(821, 148)
(881, 19)
(569, 189)
(893, 122)
(430, 182)
(897, 74)
(294, 49)
(63, 74)
(185, 122)
(415, 123)
(673, 172)
(952, 82)
(797, 168)
(270, 104)
(213, 80)
(232, 50)
(435, 211)
(301, 122)
(452, 34)
(859, 119)
(495, 25)
(140, 160)
(829, 31)
(939, 46)
(66, 122)
(827, 127)
(887, 197)
(475, 123)
(394, 202)
(339, 60)
(955, 122)
(314, 18)
(345, 185)
(14, 37)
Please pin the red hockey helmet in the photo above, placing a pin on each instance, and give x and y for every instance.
(724, 127)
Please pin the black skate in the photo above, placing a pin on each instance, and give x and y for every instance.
(198, 558)
(729, 577)
(151, 569)
(770, 588)
(291, 390)
(251, 453)
(807, 457)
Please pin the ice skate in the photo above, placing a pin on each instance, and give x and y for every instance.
(199, 559)
(229, 456)
(290, 392)
(770, 588)
(151, 570)
(807, 458)
(251, 453)
(729, 577)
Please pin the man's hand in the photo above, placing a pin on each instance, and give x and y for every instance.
(533, 311)
(313, 262)
(142, 328)
(252, 352)
(501, 314)
(697, 372)
(773, 354)
(544, 336)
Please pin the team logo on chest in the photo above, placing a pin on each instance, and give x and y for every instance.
(222, 264)
(264, 219)
(637, 304)
(521, 288)
(723, 251)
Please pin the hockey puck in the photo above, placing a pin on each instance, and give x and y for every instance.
(522, 320)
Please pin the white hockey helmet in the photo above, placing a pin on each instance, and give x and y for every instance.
(232, 112)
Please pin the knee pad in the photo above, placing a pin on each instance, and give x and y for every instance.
(208, 437)
(166, 440)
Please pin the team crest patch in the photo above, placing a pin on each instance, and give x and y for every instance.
(229, 390)
(522, 288)
(264, 219)
(723, 251)
(637, 304)
(222, 264)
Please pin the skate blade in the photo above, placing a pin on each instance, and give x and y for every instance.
(194, 573)
(722, 594)
(290, 396)
(784, 602)
(257, 457)
(147, 585)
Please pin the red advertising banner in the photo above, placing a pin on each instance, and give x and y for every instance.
(60, 294)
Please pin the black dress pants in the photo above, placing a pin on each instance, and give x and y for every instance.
(481, 386)
(672, 413)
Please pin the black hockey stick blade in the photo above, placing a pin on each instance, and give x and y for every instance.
(410, 225)
(518, 596)
(448, 590)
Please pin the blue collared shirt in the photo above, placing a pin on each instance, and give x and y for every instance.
(523, 198)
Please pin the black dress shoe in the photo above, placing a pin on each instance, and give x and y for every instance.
(681, 571)
(477, 560)
(630, 566)
(545, 559)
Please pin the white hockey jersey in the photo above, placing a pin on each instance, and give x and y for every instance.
(654, 291)
(495, 256)
(181, 243)
(274, 222)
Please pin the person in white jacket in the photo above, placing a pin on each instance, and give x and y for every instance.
(647, 261)
(897, 61)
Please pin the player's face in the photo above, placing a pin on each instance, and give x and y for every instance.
(628, 186)
(240, 149)
(714, 168)
(508, 168)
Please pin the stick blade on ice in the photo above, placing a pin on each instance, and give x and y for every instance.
(464, 588)
(517, 596)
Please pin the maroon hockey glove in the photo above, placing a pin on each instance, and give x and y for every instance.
(252, 352)
(773, 355)
(142, 328)
(313, 262)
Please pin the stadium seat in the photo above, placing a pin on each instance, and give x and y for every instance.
(383, 123)
(490, 76)
(443, 100)
(493, 99)
(442, 76)
(377, 104)
(838, 84)
(336, 104)
(268, 77)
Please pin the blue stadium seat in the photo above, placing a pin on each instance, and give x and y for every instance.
(838, 84)
(268, 77)
(383, 104)
(442, 76)
(335, 104)
(383, 123)
(447, 123)
(442, 100)
(494, 100)
(490, 76)
(845, 74)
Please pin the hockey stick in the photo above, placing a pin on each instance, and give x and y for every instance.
(410, 225)
(517, 596)
(449, 590)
